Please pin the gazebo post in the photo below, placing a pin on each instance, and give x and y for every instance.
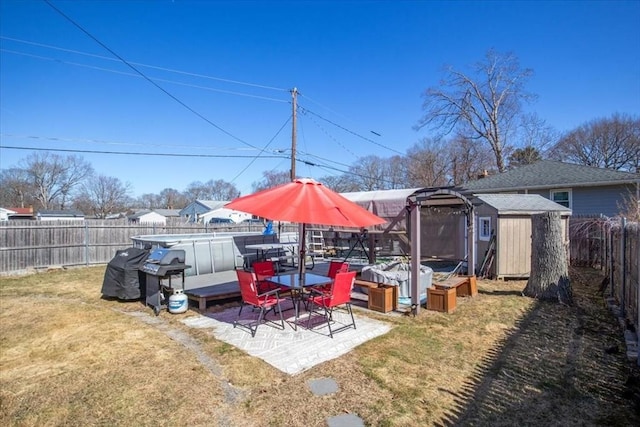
(415, 256)
(471, 243)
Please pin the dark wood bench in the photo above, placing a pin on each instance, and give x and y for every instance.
(212, 293)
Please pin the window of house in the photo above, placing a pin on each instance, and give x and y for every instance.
(562, 197)
(484, 224)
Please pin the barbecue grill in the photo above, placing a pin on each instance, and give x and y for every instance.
(161, 267)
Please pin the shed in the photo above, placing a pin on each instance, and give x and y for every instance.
(504, 232)
(147, 217)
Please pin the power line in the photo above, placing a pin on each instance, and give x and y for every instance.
(265, 147)
(133, 153)
(187, 73)
(101, 141)
(306, 110)
(147, 78)
(95, 67)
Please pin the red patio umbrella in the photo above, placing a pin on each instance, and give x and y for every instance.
(305, 201)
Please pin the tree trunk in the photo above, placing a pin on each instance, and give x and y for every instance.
(549, 278)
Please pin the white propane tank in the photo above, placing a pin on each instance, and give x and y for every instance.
(178, 302)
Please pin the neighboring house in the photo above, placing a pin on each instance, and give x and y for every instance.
(585, 190)
(193, 211)
(60, 215)
(21, 213)
(147, 217)
(5, 213)
(233, 215)
(168, 213)
(204, 210)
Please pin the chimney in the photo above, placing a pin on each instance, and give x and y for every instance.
(484, 174)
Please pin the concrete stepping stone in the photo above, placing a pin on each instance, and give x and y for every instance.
(345, 420)
(323, 386)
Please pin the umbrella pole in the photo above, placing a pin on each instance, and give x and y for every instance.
(302, 245)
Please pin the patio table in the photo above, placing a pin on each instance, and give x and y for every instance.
(294, 282)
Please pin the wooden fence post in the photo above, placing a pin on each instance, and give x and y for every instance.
(623, 265)
(86, 243)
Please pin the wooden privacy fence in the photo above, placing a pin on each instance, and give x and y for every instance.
(613, 245)
(27, 245)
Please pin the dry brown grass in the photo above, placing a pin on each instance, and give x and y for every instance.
(70, 358)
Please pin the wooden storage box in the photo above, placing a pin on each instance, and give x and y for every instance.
(384, 298)
(441, 299)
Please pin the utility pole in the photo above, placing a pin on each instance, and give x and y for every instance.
(294, 98)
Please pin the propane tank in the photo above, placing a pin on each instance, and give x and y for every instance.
(178, 302)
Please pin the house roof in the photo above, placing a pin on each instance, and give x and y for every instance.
(521, 203)
(202, 206)
(22, 211)
(70, 213)
(551, 174)
(168, 212)
(139, 214)
(212, 204)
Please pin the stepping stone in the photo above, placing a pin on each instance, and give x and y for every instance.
(345, 420)
(323, 386)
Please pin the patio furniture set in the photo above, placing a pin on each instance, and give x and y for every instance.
(264, 290)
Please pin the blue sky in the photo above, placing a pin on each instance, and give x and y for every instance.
(359, 66)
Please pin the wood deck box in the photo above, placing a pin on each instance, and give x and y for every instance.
(384, 298)
(443, 300)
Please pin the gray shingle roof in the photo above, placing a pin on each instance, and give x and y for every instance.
(168, 212)
(550, 174)
(521, 203)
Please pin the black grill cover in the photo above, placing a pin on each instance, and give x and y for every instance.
(123, 279)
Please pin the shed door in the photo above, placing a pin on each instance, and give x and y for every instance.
(514, 247)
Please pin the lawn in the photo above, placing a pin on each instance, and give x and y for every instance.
(69, 357)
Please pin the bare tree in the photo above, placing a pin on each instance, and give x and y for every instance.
(340, 183)
(467, 160)
(54, 177)
(369, 173)
(197, 191)
(170, 198)
(15, 188)
(149, 201)
(211, 190)
(606, 143)
(483, 106)
(103, 195)
(534, 132)
(272, 179)
(396, 172)
(427, 164)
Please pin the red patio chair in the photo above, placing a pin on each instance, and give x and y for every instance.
(265, 301)
(335, 267)
(264, 269)
(339, 295)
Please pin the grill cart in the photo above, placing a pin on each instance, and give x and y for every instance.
(163, 268)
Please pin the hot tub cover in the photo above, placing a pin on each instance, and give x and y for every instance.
(397, 273)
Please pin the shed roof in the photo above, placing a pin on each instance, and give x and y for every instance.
(550, 174)
(521, 203)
